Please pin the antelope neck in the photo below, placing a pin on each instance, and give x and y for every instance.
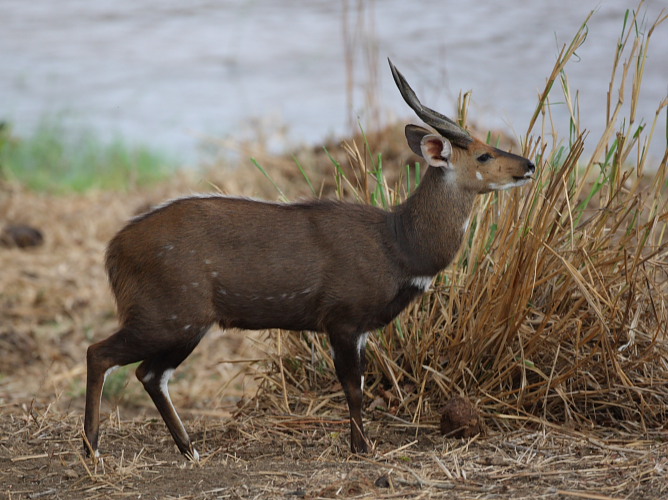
(430, 225)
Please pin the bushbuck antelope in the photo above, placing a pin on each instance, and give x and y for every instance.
(345, 269)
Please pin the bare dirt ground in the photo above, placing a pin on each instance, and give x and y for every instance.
(54, 301)
(263, 455)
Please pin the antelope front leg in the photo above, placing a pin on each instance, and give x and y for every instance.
(350, 363)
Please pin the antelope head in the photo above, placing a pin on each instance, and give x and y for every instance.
(476, 166)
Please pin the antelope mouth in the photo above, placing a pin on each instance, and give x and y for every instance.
(528, 176)
(521, 181)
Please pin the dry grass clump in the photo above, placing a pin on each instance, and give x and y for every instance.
(556, 310)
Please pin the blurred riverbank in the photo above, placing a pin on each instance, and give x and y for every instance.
(172, 77)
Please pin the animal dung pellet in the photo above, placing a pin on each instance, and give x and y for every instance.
(460, 418)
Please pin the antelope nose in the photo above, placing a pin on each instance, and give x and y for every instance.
(531, 167)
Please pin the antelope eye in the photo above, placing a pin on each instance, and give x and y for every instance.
(484, 157)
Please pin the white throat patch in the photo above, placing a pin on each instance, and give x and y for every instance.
(422, 282)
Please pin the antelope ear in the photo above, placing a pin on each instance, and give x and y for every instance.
(436, 150)
(414, 135)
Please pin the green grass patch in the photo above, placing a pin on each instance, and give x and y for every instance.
(60, 159)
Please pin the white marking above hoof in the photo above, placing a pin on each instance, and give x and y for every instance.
(193, 456)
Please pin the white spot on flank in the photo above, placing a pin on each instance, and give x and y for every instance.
(214, 274)
(194, 284)
(207, 261)
(173, 317)
(187, 327)
(478, 176)
(422, 282)
(169, 247)
(148, 377)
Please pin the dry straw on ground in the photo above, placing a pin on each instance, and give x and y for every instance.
(553, 321)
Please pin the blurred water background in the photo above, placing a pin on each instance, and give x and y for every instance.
(174, 75)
